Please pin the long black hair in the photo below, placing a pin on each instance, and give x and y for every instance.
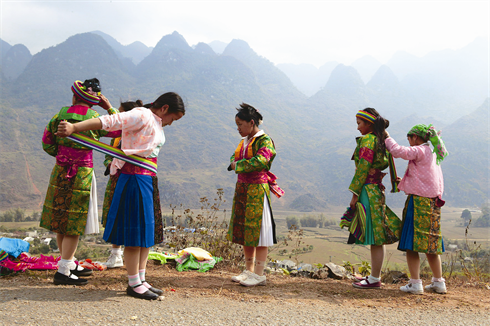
(379, 127)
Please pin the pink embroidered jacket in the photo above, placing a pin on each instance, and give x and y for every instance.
(142, 132)
(423, 176)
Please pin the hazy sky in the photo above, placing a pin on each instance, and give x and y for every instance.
(282, 31)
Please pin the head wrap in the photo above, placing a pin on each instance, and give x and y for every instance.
(85, 94)
(429, 133)
(366, 116)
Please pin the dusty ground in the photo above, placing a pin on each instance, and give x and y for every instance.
(31, 298)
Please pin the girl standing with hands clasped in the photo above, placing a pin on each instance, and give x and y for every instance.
(252, 224)
(423, 183)
(134, 219)
(378, 224)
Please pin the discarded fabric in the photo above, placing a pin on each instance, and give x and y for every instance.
(189, 262)
(14, 247)
(161, 256)
(198, 253)
(25, 262)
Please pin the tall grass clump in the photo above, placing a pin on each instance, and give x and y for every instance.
(207, 230)
(469, 260)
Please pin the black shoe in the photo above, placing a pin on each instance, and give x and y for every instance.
(83, 272)
(156, 291)
(148, 295)
(62, 279)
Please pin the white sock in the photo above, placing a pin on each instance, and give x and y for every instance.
(64, 267)
(117, 251)
(415, 281)
(373, 279)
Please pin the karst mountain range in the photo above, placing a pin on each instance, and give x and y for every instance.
(308, 111)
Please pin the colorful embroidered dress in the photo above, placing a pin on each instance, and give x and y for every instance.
(424, 184)
(382, 226)
(254, 185)
(68, 197)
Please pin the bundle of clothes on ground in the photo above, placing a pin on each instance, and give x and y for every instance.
(191, 258)
(14, 258)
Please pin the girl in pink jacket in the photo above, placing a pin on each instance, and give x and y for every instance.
(424, 185)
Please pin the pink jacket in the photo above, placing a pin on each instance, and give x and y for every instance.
(142, 132)
(423, 176)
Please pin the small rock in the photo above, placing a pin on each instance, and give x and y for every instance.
(336, 271)
(161, 298)
(321, 274)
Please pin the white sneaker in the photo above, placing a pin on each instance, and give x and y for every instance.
(414, 288)
(114, 261)
(253, 280)
(437, 287)
(242, 277)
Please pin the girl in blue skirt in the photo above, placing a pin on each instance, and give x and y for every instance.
(423, 183)
(131, 220)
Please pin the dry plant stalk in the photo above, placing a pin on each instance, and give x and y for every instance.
(205, 230)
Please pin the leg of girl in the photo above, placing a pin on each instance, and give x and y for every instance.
(377, 257)
(68, 271)
(249, 253)
(142, 271)
(415, 284)
(260, 259)
(135, 286)
(438, 283)
(59, 242)
(257, 277)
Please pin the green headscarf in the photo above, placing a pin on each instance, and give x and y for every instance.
(429, 133)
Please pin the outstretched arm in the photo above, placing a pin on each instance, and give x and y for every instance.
(66, 128)
(403, 152)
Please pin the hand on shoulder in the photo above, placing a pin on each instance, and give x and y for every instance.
(65, 129)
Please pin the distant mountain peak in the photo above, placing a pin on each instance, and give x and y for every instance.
(344, 77)
(238, 48)
(384, 75)
(172, 41)
(204, 48)
(15, 61)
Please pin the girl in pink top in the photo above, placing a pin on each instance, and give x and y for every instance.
(134, 219)
(424, 185)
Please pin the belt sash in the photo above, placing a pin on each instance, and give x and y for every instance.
(115, 152)
(257, 176)
(73, 158)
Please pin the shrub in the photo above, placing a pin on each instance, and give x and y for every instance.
(205, 230)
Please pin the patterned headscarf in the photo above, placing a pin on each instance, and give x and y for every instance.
(366, 116)
(429, 133)
(85, 94)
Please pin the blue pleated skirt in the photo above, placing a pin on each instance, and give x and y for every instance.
(131, 217)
